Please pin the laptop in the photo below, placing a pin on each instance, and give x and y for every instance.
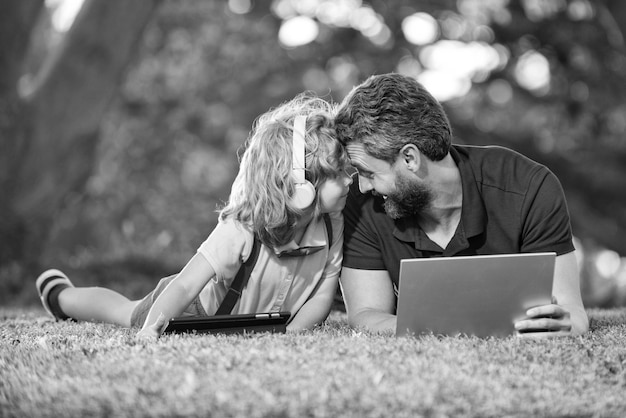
(274, 322)
(476, 295)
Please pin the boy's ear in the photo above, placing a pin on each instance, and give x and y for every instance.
(411, 157)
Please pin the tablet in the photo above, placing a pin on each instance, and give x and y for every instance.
(477, 295)
(275, 322)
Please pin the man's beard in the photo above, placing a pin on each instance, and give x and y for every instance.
(409, 198)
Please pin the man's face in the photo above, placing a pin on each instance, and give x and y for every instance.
(376, 176)
(404, 195)
(409, 198)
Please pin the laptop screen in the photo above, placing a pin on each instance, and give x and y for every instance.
(476, 295)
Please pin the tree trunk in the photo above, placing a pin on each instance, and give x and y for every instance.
(17, 19)
(52, 155)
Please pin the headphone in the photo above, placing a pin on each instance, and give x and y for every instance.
(304, 193)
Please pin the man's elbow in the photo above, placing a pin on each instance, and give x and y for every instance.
(372, 320)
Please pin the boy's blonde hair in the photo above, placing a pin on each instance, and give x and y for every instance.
(261, 193)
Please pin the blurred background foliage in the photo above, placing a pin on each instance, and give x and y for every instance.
(544, 77)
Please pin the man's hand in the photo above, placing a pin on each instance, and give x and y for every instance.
(151, 332)
(545, 321)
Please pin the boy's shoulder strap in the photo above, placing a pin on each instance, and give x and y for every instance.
(243, 275)
(329, 229)
(240, 280)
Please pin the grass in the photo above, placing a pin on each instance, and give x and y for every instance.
(50, 369)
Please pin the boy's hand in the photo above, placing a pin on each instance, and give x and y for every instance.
(545, 321)
(151, 332)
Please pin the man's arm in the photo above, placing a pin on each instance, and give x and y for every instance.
(369, 299)
(567, 315)
(566, 290)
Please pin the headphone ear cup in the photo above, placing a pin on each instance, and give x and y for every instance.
(304, 191)
(303, 196)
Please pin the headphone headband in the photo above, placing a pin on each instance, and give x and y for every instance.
(299, 149)
(304, 191)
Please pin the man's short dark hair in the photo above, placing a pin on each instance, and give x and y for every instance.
(387, 112)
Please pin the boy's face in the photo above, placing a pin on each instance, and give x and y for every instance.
(333, 192)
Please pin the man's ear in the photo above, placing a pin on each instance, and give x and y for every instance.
(411, 157)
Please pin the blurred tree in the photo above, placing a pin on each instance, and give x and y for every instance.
(167, 149)
(577, 127)
(49, 121)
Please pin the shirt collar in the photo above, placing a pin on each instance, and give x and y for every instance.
(313, 240)
(472, 213)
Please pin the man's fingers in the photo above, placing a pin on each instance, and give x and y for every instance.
(539, 335)
(542, 324)
(547, 311)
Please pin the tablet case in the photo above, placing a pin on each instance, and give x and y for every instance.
(274, 322)
(224, 323)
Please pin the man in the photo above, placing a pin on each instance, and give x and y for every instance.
(428, 198)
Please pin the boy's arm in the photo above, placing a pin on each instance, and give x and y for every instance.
(177, 295)
(316, 309)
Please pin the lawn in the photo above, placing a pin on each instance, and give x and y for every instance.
(65, 369)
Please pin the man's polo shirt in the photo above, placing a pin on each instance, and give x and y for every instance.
(511, 204)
